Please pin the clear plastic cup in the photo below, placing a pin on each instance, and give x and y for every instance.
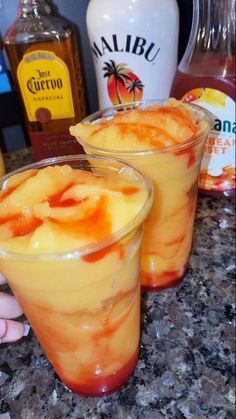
(84, 305)
(174, 171)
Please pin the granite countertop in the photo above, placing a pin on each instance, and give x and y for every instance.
(186, 366)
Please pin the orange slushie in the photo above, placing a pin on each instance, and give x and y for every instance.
(70, 234)
(166, 141)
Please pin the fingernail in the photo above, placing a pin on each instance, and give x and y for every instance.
(26, 329)
(2, 279)
(3, 328)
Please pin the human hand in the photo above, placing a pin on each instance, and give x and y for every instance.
(10, 330)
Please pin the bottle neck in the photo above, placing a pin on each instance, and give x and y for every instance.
(216, 25)
(37, 21)
(212, 34)
(34, 8)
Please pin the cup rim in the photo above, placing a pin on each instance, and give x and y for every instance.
(86, 250)
(171, 148)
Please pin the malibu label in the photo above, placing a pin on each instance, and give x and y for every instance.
(135, 45)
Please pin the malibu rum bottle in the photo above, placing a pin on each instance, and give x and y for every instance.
(134, 47)
(206, 77)
(43, 52)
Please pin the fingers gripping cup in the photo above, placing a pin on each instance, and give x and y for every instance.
(70, 234)
(166, 141)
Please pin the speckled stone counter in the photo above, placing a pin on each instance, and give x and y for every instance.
(186, 366)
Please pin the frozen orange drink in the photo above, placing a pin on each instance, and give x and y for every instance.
(166, 141)
(70, 234)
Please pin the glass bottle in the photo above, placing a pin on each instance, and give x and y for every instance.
(44, 55)
(134, 46)
(206, 76)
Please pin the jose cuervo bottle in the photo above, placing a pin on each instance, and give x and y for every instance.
(134, 45)
(44, 55)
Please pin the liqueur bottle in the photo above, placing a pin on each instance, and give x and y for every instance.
(134, 46)
(206, 77)
(43, 52)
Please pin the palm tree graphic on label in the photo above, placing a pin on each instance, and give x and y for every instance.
(122, 85)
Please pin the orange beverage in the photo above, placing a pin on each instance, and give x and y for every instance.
(166, 141)
(70, 233)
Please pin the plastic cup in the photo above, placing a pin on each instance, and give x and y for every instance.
(84, 305)
(174, 171)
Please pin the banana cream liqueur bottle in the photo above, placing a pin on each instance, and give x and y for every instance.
(134, 46)
(206, 77)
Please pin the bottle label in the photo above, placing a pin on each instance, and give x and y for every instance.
(130, 67)
(48, 144)
(44, 82)
(218, 164)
